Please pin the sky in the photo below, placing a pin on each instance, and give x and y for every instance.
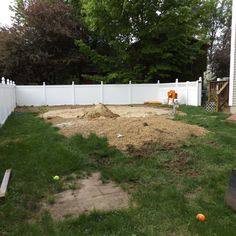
(5, 13)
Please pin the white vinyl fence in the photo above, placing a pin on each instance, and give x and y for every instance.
(189, 93)
(7, 99)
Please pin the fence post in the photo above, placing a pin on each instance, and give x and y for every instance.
(200, 91)
(176, 83)
(73, 92)
(158, 89)
(8, 108)
(44, 94)
(14, 93)
(12, 96)
(3, 80)
(187, 87)
(130, 92)
(101, 93)
(4, 107)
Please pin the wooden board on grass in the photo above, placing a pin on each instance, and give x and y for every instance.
(152, 103)
(5, 181)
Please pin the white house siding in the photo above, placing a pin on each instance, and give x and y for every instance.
(232, 95)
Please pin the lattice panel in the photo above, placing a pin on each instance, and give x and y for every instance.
(211, 106)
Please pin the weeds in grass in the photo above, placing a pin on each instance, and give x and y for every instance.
(51, 200)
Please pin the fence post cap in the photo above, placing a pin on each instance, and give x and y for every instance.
(8, 81)
(3, 80)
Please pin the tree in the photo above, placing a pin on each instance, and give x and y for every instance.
(112, 40)
(40, 45)
(217, 21)
(221, 56)
(149, 39)
(220, 60)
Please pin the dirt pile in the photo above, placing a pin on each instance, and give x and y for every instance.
(101, 111)
(126, 127)
(125, 132)
(97, 111)
(88, 112)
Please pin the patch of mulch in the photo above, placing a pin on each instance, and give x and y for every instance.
(181, 167)
(148, 149)
(126, 132)
(214, 144)
(103, 162)
(145, 151)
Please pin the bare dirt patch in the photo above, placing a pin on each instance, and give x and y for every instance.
(91, 195)
(43, 109)
(181, 166)
(102, 111)
(126, 127)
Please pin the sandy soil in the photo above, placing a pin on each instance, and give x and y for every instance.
(130, 126)
(92, 195)
(105, 111)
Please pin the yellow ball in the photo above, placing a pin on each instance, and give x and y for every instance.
(201, 217)
(56, 177)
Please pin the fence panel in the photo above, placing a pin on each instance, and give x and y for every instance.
(58, 95)
(30, 95)
(7, 99)
(114, 94)
(87, 94)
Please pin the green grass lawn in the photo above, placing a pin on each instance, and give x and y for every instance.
(169, 187)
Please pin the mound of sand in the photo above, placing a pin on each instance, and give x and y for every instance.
(97, 111)
(90, 112)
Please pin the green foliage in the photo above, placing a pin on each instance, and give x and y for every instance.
(110, 40)
(159, 36)
(219, 55)
(216, 19)
(101, 62)
(40, 44)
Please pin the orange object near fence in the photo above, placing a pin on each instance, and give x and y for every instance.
(153, 103)
(172, 95)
